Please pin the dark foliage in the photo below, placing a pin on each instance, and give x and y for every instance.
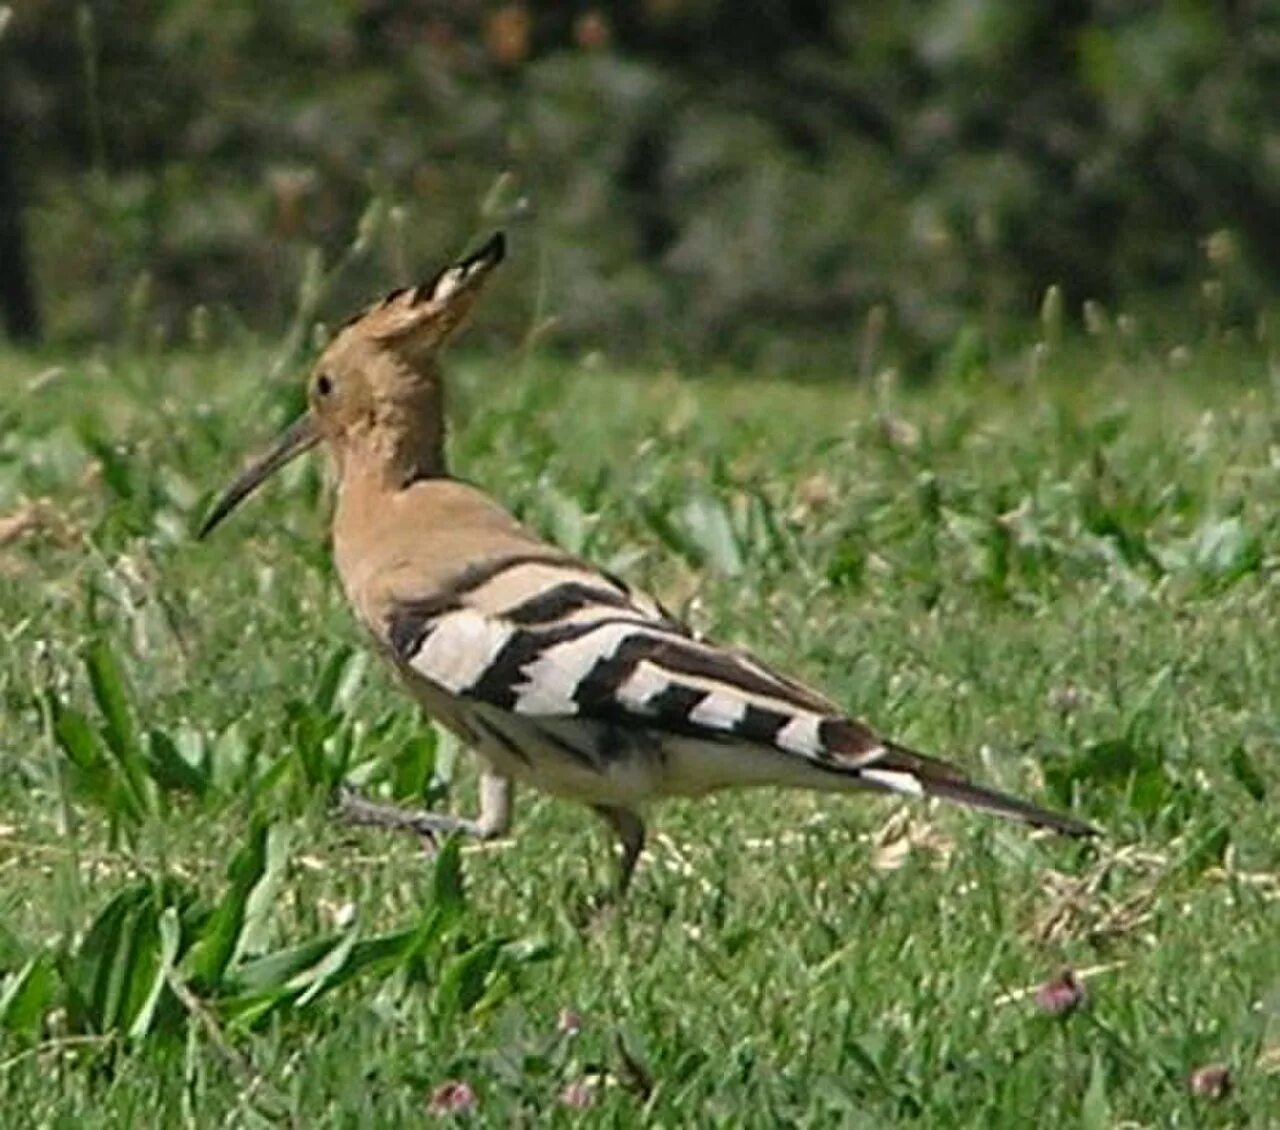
(695, 176)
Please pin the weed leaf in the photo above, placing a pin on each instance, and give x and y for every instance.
(222, 934)
(170, 770)
(114, 697)
(26, 996)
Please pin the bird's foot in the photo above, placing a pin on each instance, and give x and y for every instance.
(430, 827)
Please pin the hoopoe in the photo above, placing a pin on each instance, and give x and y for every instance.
(554, 673)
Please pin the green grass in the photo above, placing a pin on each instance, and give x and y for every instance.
(1070, 584)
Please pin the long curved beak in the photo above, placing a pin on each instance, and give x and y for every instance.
(300, 436)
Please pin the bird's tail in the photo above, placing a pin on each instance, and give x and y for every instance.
(894, 768)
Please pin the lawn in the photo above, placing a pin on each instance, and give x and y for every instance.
(1067, 579)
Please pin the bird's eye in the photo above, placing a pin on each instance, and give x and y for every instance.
(324, 385)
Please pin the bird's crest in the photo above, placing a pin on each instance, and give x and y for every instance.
(385, 355)
(421, 318)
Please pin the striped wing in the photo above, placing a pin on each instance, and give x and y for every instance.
(548, 636)
(550, 639)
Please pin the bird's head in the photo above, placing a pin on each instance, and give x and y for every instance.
(375, 393)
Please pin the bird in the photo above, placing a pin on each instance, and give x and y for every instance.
(556, 674)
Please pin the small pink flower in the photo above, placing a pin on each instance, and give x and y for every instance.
(580, 1094)
(452, 1097)
(1212, 1081)
(569, 1022)
(1062, 995)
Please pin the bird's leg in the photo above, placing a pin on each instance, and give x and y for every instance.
(496, 793)
(629, 829)
(494, 819)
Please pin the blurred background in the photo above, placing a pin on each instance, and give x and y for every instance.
(767, 183)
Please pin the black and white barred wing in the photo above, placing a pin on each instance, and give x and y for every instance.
(551, 638)
(552, 641)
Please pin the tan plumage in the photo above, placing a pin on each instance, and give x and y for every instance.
(552, 672)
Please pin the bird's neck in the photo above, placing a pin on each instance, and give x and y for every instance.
(402, 443)
(375, 466)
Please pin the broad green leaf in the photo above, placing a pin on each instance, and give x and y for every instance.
(272, 776)
(170, 938)
(330, 678)
(170, 770)
(112, 954)
(272, 972)
(96, 958)
(26, 996)
(77, 738)
(260, 906)
(309, 732)
(298, 976)
(220, 938)
(353, 673)
(231, 758)
(114, 697)
(462, 983)
(326, 971)
(98, 775)
(380, 954)
(128, 967)
(112, 972)
(336, 756)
